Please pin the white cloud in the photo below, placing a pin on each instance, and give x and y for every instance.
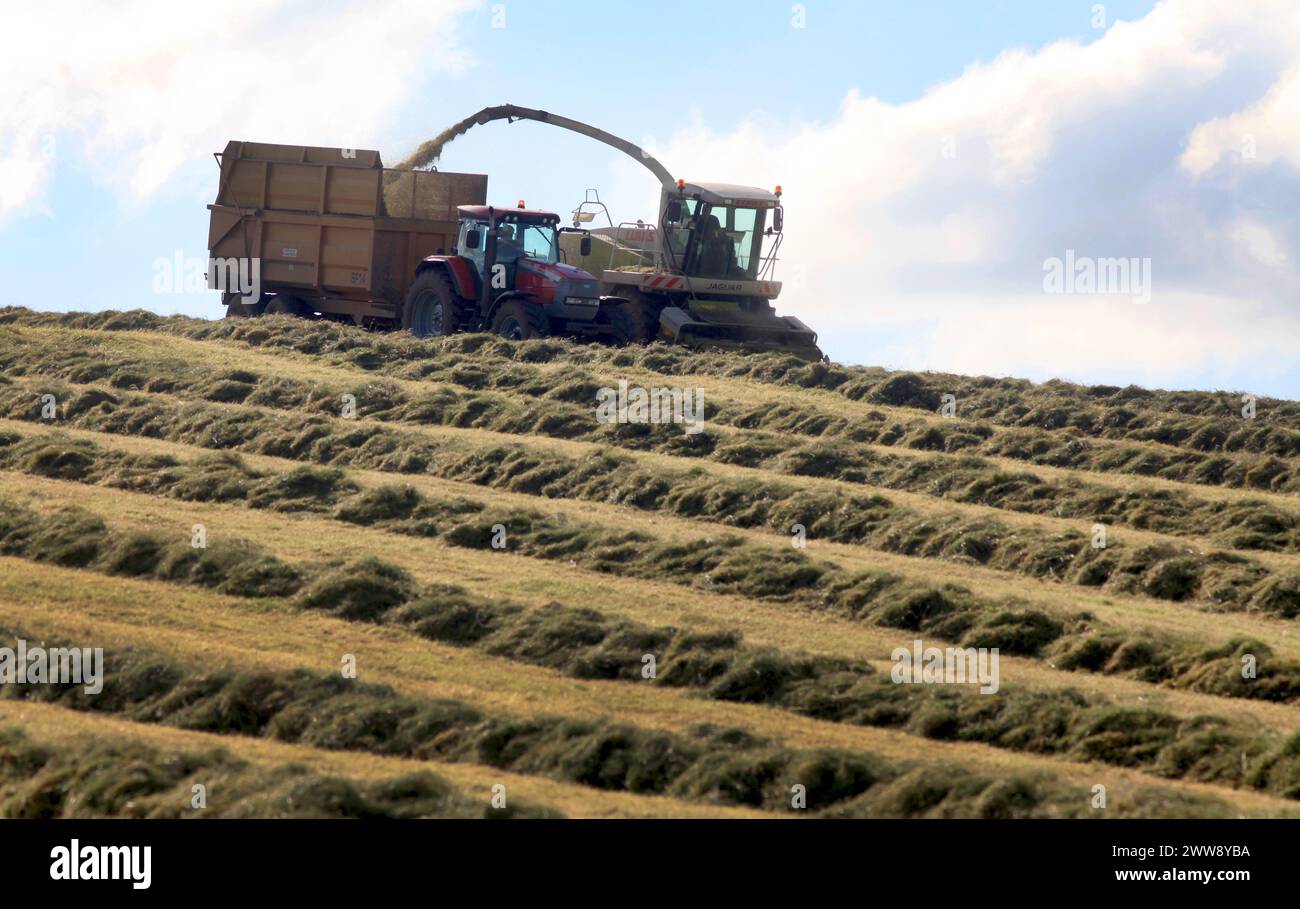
(1102, 338)
(929, 260)
(1258, 242)
(1267, 131)
(143, 89)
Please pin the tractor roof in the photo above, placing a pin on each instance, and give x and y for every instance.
(506, 213)
(731, 194)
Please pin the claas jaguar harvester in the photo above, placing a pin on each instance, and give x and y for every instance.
(703, 276)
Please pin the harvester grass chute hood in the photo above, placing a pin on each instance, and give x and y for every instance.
(512, 112)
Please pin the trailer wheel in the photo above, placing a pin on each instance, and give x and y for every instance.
(432, 308)
(519, 320)
(284, 305)
(237, 309)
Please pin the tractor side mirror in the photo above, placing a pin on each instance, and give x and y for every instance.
(472, 238)
(673, 213)
(584, 247)
(778, 218)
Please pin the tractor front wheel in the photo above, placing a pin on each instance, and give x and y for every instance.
(519, 320)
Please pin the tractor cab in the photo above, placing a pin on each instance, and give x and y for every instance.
(515, 252)
(505, 275)
(510, 234)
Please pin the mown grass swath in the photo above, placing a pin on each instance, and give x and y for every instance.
(723, 766)
(1050, 420)
(590, 645)
(471, 426)
(758, 437)
(723, 564)
(1166, 571)
(124, 779)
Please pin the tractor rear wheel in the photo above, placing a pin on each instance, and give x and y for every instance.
(519, 320)
(433, 309)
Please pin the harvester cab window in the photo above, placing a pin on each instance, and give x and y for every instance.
(742, 231)
(725, 241)
(716, 256)
(679, 233)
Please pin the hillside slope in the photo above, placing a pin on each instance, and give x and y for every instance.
(503, 570)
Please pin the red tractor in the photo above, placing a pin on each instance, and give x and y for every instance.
(506, 276)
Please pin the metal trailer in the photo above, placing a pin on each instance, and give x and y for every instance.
(331, 230)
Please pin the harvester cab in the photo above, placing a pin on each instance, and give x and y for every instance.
(505, 275)
(704, 275)
(712, 281)
(716, 232)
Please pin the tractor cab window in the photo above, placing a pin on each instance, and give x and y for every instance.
(540, 242)
(522, 239)
(474, 255)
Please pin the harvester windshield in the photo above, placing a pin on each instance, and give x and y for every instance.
(721, 241)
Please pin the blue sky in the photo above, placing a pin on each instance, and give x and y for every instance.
(1119, 140)
(638, 73)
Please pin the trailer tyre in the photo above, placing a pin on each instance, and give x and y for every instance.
(432, 308)
(283, 305)
(519, 320)
(237, 309)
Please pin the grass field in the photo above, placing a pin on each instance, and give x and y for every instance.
(336, 573)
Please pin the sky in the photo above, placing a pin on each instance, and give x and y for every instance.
(944, 164)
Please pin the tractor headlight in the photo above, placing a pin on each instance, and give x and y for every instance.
(580, 301)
